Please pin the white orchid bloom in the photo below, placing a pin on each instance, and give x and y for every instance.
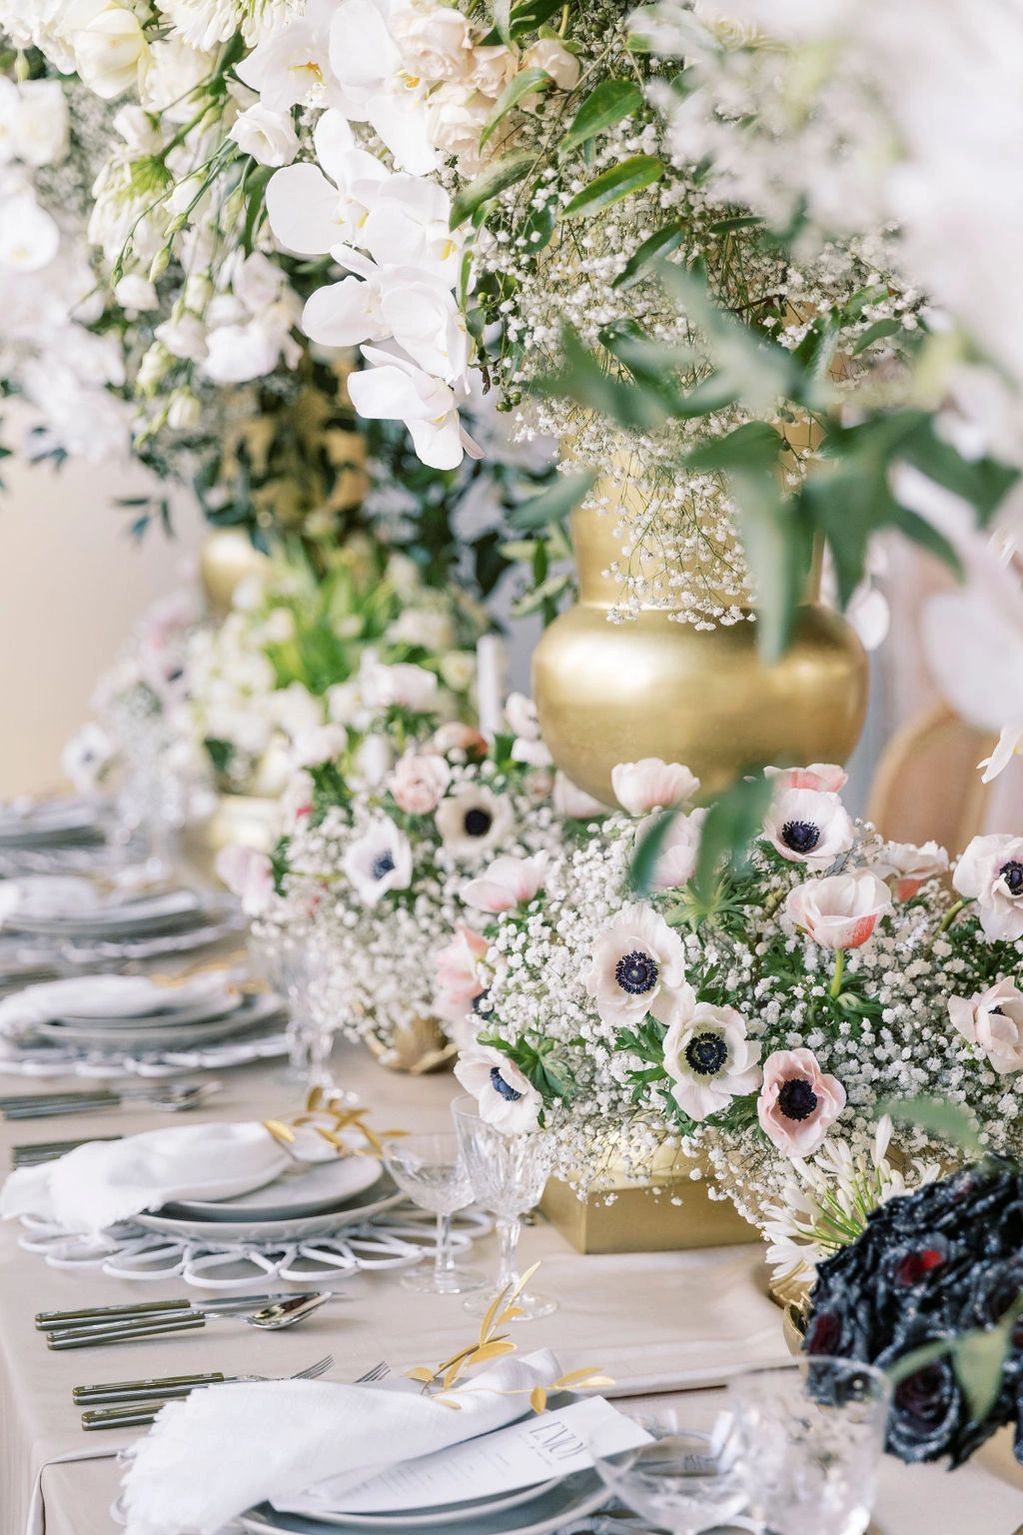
(290, 65)
(373, 86)
(417, 309)
(313, 210)
(394, 389)
(408, 224)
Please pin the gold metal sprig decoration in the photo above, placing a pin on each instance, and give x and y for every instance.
(329, 1120)
(492, 1344)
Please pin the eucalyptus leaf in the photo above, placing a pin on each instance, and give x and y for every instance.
(503, 172)
(554, 503)
(606, 104)
(756, 445)
(978, 1359)
(732, 823)
(526, 83)
(875, 332)
(645, 257)
(938, 1117)
(614, 184)
(648, 850)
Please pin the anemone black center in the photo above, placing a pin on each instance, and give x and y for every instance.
(1012, 873)
(706, 1054)
(499, 1085)
(382, 864)
(478, 822)
(636, 973)
(797, 1099)
(801, 836)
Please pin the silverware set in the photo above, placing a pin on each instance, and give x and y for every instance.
(170, 1097)
(129, 1324)
(34, 1152)
(137, 1402)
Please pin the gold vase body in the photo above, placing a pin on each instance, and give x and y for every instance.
(226, 558)
(651, 687)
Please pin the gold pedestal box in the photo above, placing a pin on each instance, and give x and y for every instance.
(643, 1219)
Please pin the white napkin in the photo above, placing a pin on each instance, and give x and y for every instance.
(104, 1182)
(106, 996)
(47, 895)
(212, 1456)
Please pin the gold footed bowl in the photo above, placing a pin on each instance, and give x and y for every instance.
(609, 693)
(419, 1047)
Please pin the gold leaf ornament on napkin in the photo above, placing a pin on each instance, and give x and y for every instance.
(334, 1123)
(491, 1345)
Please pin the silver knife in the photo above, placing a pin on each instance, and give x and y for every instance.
(163, 1388)
(137, 1416)
(84, 1337)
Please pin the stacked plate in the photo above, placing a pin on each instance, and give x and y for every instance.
(123, 926)
(51, 824)
(303, 1201)
(538, 1510)
(173, 1026)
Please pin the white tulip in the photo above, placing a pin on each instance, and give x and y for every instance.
(110, 51)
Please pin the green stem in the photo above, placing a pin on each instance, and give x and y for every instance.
(950, 916)
(836, 980)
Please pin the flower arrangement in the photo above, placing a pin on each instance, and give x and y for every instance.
(931, 1292)
(754, 1018)
(382, 832)
(304, 648)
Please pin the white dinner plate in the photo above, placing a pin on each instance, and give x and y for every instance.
(208, 1011)
(100, 1034)
(382, 1196)
(170, 909)
(548, 1510)
(312, 1190)
(448, 1513)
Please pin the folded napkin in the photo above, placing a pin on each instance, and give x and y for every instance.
(212, 1456)
(104, 1182)
(47, 895)
(108, 996)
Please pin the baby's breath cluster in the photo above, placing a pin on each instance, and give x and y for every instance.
(751, 1026)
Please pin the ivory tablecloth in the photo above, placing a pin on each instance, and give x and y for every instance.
(648, 1320)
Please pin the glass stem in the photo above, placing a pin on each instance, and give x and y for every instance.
(508, 1232)
(321, 1043)
(444, 1261)
(299, 1053)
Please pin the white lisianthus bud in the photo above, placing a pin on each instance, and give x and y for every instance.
(184, 410)
(184, 337)
(154, 366)
(198, 291)
(159, 263)
(135, 292)
(111, 51)
(268, 137)
(547, 53)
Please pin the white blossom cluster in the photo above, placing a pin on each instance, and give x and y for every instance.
(300, 651)
(49, 353)
(376, 887)
(820, 984)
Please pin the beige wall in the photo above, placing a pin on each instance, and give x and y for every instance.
(71, 584)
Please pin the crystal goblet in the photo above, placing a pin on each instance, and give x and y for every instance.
(431, 1170)
(508, 1174)
(686, 1478)
(810, 1437)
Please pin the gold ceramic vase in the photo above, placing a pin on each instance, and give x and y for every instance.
(609, 693)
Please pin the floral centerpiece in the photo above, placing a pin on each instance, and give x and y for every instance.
(757, 1017)
(384, 826)
(299, 649)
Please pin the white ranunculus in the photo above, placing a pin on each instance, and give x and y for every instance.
(550, 54)
(990, 872)
(491, 68)
(269, 137)
(455, 118)
(29, 236)
(405, 686)
(435, 41)
(110, 50)
(379, 861)
(295, 709)
(239, 353)
(396, 390)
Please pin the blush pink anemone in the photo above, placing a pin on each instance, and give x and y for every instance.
(841, 911)
(798, 1102)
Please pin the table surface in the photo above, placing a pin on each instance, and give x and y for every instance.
(648, 1320)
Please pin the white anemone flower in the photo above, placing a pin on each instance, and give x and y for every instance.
(379, 861)
(708, 1056)
(472, 820)
(637, 966)
(396, 390)
(809, 826)
(506, 1098)
(990, 872)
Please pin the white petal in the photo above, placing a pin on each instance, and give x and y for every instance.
(384, 393)
(402, 126)
(302, 206)
(333, 140)
(362, 50)
(340, 314)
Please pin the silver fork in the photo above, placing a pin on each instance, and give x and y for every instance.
(136, 1413)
